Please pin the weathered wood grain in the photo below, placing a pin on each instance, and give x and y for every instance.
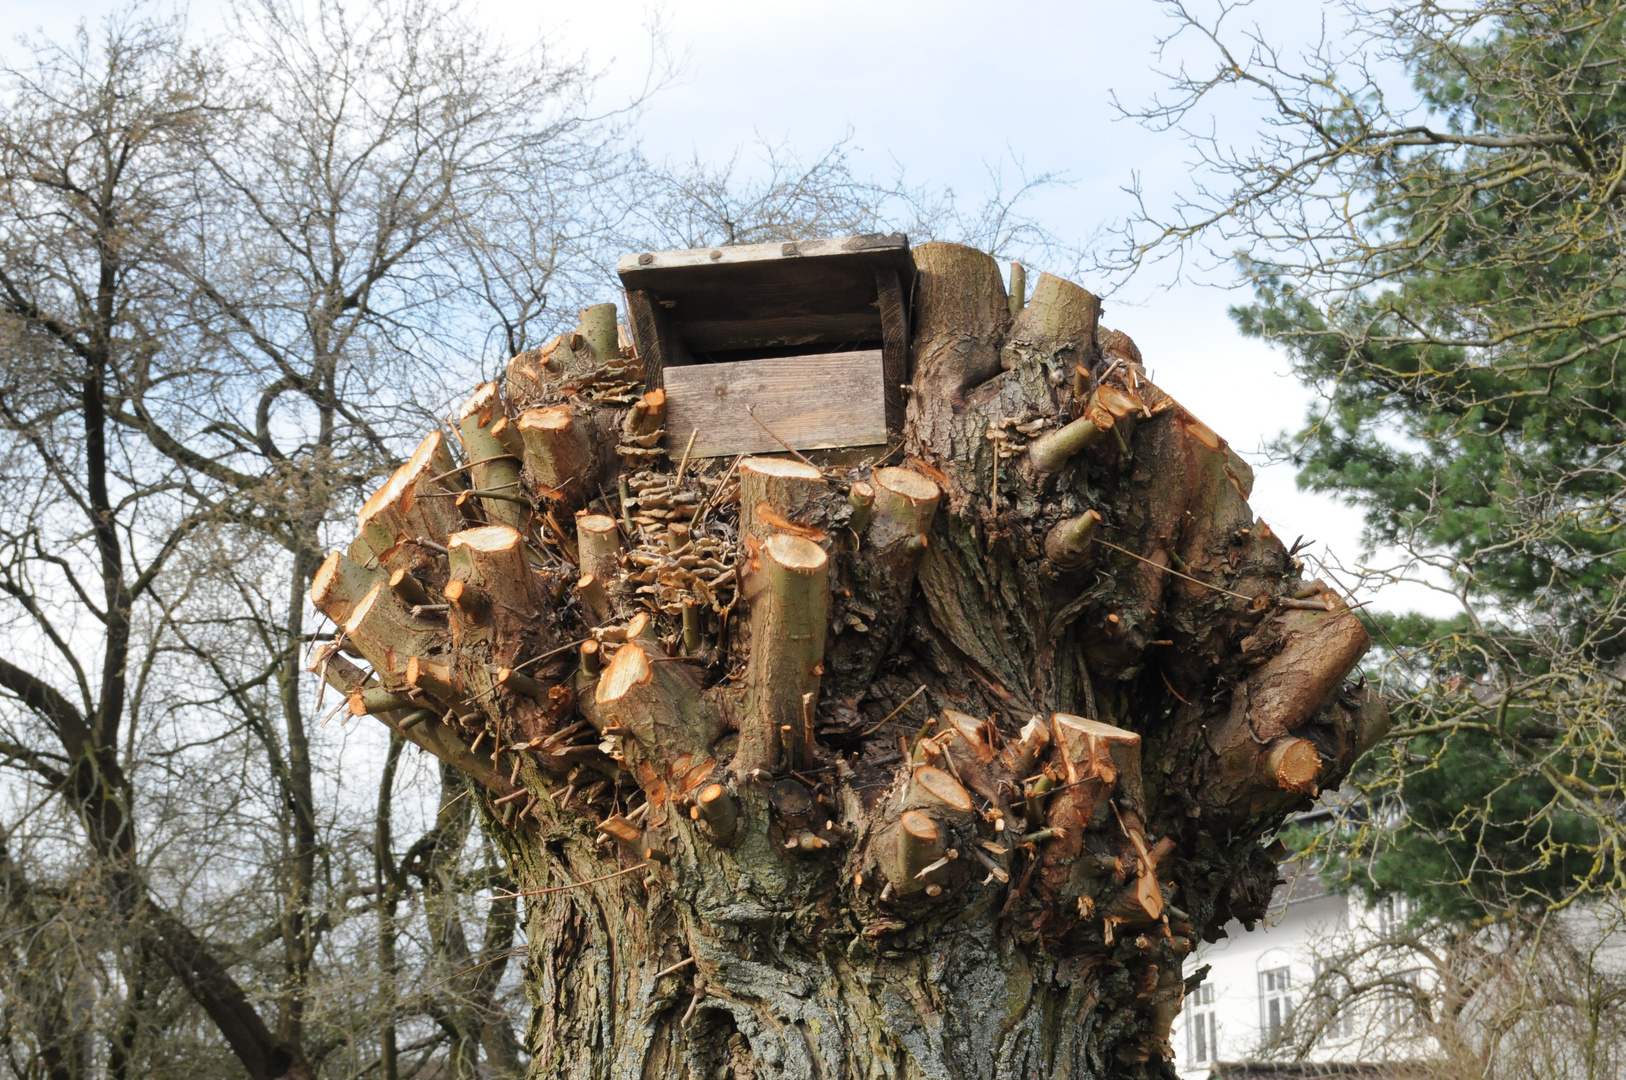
(894, 343)
(658, 347)
(650, 263)
(811, 402)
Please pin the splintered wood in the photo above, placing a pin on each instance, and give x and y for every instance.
(764, 406)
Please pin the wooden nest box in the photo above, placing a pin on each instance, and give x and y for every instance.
(761, 346)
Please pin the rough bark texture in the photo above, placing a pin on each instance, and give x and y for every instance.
(960, 814)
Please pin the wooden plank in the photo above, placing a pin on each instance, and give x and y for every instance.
(894, 344)
(658, 347)
(630, 267)
(811, 402)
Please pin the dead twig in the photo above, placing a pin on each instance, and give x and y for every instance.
(1172, 570)
(893, 713)
(679, 966)
(752, 411)
(562, 888)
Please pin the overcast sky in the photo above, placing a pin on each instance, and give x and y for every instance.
(948, 90)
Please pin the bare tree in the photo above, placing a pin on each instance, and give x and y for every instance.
(1538, 996)
(223, 269)
(781, 196)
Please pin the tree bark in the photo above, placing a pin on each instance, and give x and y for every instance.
(931, 768)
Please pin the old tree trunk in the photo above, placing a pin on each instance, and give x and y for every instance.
(931, 766)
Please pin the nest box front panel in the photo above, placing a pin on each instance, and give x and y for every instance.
(762, 406)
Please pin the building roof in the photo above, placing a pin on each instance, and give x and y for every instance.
(1302, 882)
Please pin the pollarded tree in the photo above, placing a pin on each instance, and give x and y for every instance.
(814, 768)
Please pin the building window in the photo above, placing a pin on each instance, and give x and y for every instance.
(1392, 913)
(1275, 1006)
(1202, 1030)
(1403, 1005)
(1333, 987)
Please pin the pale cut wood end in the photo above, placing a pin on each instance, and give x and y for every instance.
(918, 825)
(796, 552)
(943, 787)
(777, 466)
(485, 395)
(552, 418)
(487, 538)
(913, 486)
(629, 669)
(358, 614)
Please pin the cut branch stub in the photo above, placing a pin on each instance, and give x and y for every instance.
(624, 833)
(659, 704)
(492, 559)
(1142, 900)
(647, 415)
(716, 806)
(530, 372)
(521, 683)
(1035, 736)
(1296, 683)
(1110, 405)
(789, 612)
(1068, 542)
(595, 601)
(961, 312)
(1291, 764)
(776, 493)
(905, 504)
(1052, 451)
(973, 734)
(1056, 327)
(338, 584)
(598, 547)
(558, 454)
(493, 465)
(630, 668)
(1091, 748)
(918, 844)
(862, 498)
(384, 631)
(408, 506)
(408, 588)
(372, 700)
(900, 505)
(1098, 760)
(470, 605)
(596, 329)
(933, 789)
(439, 681)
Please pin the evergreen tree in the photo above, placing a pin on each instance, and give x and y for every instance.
(1445, 267)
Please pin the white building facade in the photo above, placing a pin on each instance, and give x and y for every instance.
(1256, 980)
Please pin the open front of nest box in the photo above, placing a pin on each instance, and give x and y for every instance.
(761, 347)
